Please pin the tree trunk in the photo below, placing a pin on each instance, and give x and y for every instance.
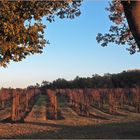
(2, 104)
(132, 13)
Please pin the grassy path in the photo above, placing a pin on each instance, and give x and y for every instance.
(38, 112)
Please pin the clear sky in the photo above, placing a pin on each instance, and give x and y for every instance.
(73, 51)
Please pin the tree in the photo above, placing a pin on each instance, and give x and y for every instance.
(126, 15)
(132, 13)
(37, 85)
(125, 79)
(22, 29)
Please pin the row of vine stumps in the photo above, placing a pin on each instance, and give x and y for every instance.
(36, 104)
(15, 104)
(45, 108)
(110, 101)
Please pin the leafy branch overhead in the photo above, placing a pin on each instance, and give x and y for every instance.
(119, 32)
(22, 28)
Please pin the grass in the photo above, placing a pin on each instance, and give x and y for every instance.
(62, 101)
(41, 101)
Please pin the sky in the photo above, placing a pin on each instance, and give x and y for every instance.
(73, 51)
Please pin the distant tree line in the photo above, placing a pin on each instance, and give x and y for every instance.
(125, 79)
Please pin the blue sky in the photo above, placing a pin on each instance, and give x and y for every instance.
(73, 51)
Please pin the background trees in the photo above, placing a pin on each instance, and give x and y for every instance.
(125, 79)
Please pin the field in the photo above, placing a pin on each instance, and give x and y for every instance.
(70, 125)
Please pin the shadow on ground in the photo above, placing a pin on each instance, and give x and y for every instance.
(114, 131)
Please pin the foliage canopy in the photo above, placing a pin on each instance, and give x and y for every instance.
(125, 79)
(22, 29)
(119, 32)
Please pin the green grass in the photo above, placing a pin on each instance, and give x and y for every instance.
(62, 101)
(41, 101)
